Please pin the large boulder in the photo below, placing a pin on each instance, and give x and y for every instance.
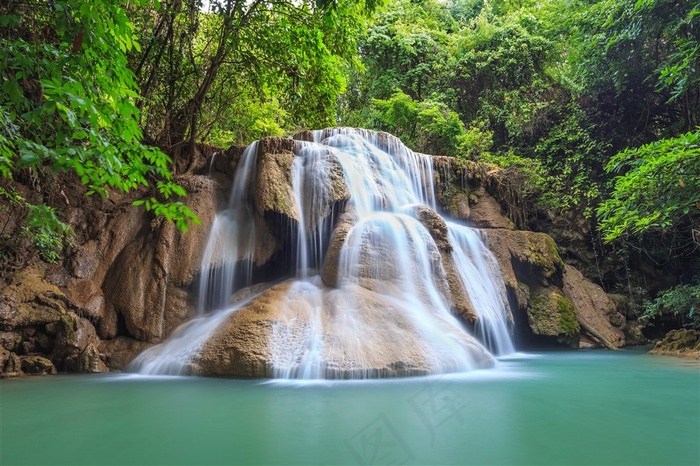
(527, 260)
(451, 285)
(486, 212)
(37, 365)
(534, 276)
(75, 345)
(273, 186)
(38, 320)
(553, 316)
(273, 334)
(10, 364)
(331, 273)
(595, 311)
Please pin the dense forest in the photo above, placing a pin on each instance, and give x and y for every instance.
(591, 109)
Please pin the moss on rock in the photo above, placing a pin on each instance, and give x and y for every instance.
(682, 342)
(552, 315)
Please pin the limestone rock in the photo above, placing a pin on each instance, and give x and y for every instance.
(154, 271)
(37, 365)
(76, 345)
(330, 271)
(682, 342)
(455, 180)
(90, 361)
(245, 344)
(593, 307)
(10, 340)
(552, 315)
(13, 366)
(88, 296)
(452, 285)
(273, 185)
(10, 364)
(527, 260)
(119, 352)
(30, 301)
(634, 334)
(93, 259)
(486, 212)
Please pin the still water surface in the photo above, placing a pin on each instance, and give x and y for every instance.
(548, 408)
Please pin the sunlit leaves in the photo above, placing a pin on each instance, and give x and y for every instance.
(68, 98)
(659, 185)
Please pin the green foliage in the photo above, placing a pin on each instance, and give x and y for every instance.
(634, 59)
(499, 76)
(659, 188)
(68, 98)
(572, 158)
(682, 301)
(46, 231)
(41, 226)
(242, 69)
(427, 126)
(476, 142)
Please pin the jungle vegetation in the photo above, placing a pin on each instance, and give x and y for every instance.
(594, 103)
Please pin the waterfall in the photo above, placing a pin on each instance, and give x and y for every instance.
(228, 256)
(479, 273)
(370, 271)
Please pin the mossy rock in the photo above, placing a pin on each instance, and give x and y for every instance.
(37, 365)
(681, 342)
(456, 203)
(10, 364)
(541, 251)
(526, 257)
(552, 315)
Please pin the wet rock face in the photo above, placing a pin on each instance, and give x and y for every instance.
(247, 344)
(526, 256)
(120, 351)
(273, 187)
(148, 282)
(545, 290)
(447, 282)
(486, 212)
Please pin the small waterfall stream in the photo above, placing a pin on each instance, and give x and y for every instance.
(389, 280)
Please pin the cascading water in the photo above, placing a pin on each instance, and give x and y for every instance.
(228, 257)
(371, 283)
(481, 277)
